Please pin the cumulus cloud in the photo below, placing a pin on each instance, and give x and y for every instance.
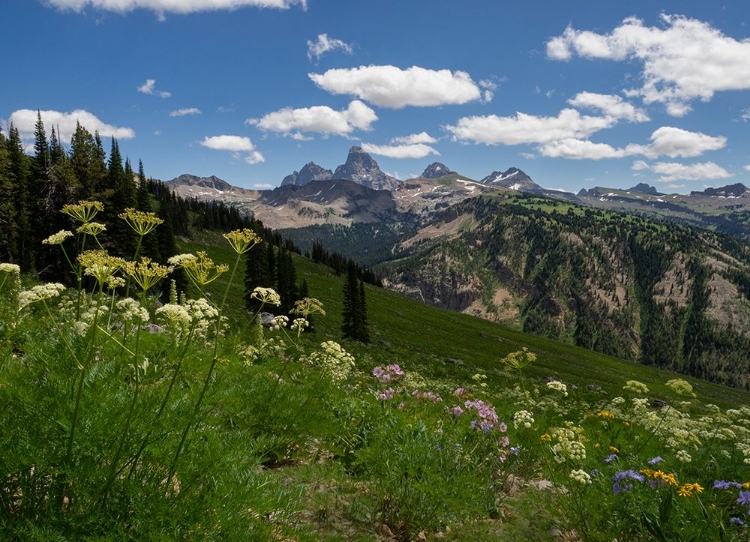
(578, 149)
(171, 6)
(665, 141)
(65, 124)
(610, 105)
(523, 128)
(745, 114)
(185, 112)
(149, 88)
(682, 61)
(672, 171)
(394, 88)
(413, 139)
(320, 119)
(678, 143)
(236, 145)
(324, 45)
(414, 150)
(747, 167)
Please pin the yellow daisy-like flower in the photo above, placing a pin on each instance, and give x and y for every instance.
(546, 438)
(746, 485)
(605, 414)
(614, 450)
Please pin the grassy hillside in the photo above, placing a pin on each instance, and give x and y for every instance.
(445, 427)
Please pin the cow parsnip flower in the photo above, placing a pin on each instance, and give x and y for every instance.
(146, 273)
(83, 211)
(57, 238)
(242, 240)
(92, 228)
(141, 222)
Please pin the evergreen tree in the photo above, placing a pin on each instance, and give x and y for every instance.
(257, 274)
(354, 314)
(20, 231)
(6, 201)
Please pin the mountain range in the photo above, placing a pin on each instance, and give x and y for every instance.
(594, 269)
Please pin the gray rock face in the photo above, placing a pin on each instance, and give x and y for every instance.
(310, 172)
(436, 170)
(646, 189)
(513, 178)
(204, 182)
(362, 169)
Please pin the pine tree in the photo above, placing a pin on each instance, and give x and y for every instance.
(257, 274)
(362, 327)
(354, 314)
(6, 201)
(20, 232)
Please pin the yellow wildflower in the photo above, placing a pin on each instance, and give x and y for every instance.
(242, 240)
(141, 222)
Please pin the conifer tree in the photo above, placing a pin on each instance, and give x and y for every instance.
(257, 274)
(354, 314)
(19, 177)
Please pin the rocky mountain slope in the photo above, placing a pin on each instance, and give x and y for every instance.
(666, 295)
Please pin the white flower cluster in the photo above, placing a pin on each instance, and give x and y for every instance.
(333, 360)
(11, 268)
(92, 312)
(271, 347)
(299, 324)
(524, 418)
(567, 446)
(39, 293)
(266, 296)
(683, 456)
(558, 386)
(177, 318)
(132, 311)
(635, 386)
(580, 476)
(279, 322)
(203, 314)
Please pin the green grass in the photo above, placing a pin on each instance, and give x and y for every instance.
(282, 449)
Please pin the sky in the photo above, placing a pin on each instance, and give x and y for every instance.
(576, 94)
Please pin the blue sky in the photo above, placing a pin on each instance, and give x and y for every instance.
(577, 94)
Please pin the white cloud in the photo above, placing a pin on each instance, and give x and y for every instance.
(672, 171)
(745, 114)
(65, 124)
(678, 143)
(320, 119)
(683, 61)
(415, 150)
(609, 104)
(394, 88)
(172, 6)
(577, 149)
(263, 186)
(413, 139)
(185, 112)
(235, 145)
(747, 167)
(231, 143)
(523, 128)
(148, 88)
(254, 158)
(324, 45)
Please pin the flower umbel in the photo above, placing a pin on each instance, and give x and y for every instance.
(146, 273)
(57, 238)
(83, 211)
(242, 240)
(141, 222)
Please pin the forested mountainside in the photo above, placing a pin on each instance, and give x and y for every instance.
(666, 295)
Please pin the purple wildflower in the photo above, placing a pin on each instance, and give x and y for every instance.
(611, 458)
(502, 427)
(504, 442)
(736, 521)
(744, 498)
(723, 484)
(624, 475)
(654, 460)
(594, 472)
(457, 410)
(515, 450)
(385, 395)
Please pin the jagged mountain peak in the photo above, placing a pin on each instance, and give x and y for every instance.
(512, 178)
(436, 170)
(646, 189)
(362, 168)
(309, 172)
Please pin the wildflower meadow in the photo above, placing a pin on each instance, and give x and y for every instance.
(127, 415)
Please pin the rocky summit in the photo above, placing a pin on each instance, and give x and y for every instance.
(309, 172)
(362, 169)
(436, 170)
(513, 179)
